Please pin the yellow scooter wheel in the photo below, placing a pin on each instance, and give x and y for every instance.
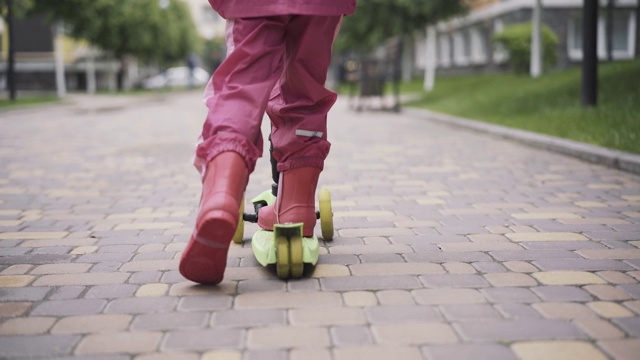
(326, 214)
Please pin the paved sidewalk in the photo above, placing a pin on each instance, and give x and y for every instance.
(450, 245)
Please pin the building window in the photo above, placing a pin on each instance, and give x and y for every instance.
(624, 31)
(477, 45)
(461, 47)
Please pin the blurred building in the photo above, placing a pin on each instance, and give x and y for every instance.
(209, 24)
(464, 44)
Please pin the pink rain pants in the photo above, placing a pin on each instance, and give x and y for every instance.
(276, 64)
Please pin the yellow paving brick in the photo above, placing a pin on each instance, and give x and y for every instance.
(609, 310)
(594, 221)
(617, 254)
(377, 352)
(58, 242)
(563, 310)
(330, 270)
(222, 355)
(152, 290)
(81, 279)
(32, 235)
(510, 279)
(599, 329)
(395, 269)
(520, 266)
(414, 334)
(151, 248)
(546, 236)
(447, 296)
(395, 297)
(7, 223)
(622, 349)
(590, 204)
(287, 337)
(603, 186)
(494, 229)
(69, 268)
(26, 326)
(13, 309)
(149, 226)
(331, 316)
(15, 280)
(81, 250)
(459, 268)
(280, 300)
(479, 246)
(606, 292)
(632, 214)
(125, 342)
(487, 238)
(633, 305)
(87, 324)
(567, 278)
(18, 269)
(557, 350)
(359, 298)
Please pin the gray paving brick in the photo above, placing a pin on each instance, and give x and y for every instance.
(489, 267)
(517, 311)
(463, 312)
(256, 285)
(381, 258)
(69, 307)
(171, 277)
(612, 235)
(141, 305)
(520, 329)
(67, 292)
(454, 280)
(145, 277)
(23, 294)
(561, 293)
(432, 239)
(170, 321)
(468, 351)
(339, 259)
(308, 284)
(38, 259)
(266, 355)
(440, 257)
(402, 313)
(105, 257)
(248, 318)
(202, 340)
(533, 255)
(561, 245)
(631, 289)
(36, 345)
(509, 294)
(205, 303)
(631, 325)
(351, 335)
(370, 283)
(111, 291)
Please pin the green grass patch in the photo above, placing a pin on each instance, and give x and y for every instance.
(549, 104)
(6, 104)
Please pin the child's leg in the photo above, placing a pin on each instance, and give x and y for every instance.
(232, 141)
(298, 111)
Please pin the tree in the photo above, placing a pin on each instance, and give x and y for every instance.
(377, 20)
(141, 28)
(10, 10)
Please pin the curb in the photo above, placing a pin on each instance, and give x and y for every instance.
(595, 154)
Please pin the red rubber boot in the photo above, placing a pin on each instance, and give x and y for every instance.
(295, 202)
(205, 257)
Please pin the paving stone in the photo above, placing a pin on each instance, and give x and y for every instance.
(13, 309)
(546, 236)
(520, 329)
(279, 300)
(381, 258)
(468, 351)
(562, 245)
(581, 265)
(66, 292)
(561, 293)
(459, 268)
(88, 324)
(489, 267)
(623, 349)
(616, 277)
(377, 352)
(606, 292)
(336, 316)
(36, 345)
(454, 281)
(448, 296)
(395, 269)
(631, 325)
(247, 318)
(463, 256)
(128, 343)
(564, 310)
(23, 294)
(529, 255)
(265, 354)
(599, 329)
(274, 337)
(567, 278)
(26, 326)
(512, 310)
(111, 291)
(351, 335)
(69, 307)
(370, 283)
(509, 294)
(401, 314)
(464, 312)
(414, 333)
(359, 298)
(14, 281)
(81, 279)
(222, 355)
(145, 277)
(168, 356)
(170, 321)
(187, 288)
(152, 290)
(510, 279)
(557, 350)
(607, 309)
(141, 305)
(19, 269)
(519, 266)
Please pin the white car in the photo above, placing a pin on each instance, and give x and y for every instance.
(177, 77)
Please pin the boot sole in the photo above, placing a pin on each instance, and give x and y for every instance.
(205, 258)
